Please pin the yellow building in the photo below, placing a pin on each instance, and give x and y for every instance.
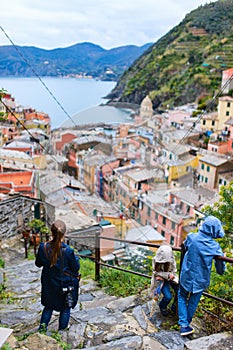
(208, 169)
(90, 164)
(225, 111)
(178, 162)
(179, 168)
(210, 122)
(215, 121)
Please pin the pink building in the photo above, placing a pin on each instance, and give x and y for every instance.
(224, 144)
(106, 246)
(176, 118)
(61, 139)
(168, 223)
(218, 146)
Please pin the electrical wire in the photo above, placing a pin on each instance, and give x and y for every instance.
(37, 75)
(67, 114)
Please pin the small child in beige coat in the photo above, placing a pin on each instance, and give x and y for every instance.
(164, 270)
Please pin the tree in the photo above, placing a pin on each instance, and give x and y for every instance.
(221, 286)
(223, 210)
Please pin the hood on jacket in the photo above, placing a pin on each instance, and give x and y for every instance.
(164, 254)
(212, 227)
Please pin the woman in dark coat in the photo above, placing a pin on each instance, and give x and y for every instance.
(59, 277)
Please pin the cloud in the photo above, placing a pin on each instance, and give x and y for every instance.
(109, 23)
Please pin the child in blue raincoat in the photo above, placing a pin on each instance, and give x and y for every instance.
(201, 249)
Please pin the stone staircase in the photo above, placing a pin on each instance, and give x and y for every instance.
(98, 322)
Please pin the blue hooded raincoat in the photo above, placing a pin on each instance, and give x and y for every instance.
(201, 248)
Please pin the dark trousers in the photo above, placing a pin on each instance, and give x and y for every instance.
(64, 318)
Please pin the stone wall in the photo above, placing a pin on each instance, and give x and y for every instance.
(13, 212)
(84, 238)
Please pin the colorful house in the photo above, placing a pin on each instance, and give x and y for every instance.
(209, 167)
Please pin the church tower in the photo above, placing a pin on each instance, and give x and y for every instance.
(146, 108)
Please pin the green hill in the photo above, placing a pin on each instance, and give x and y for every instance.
(83, 58)
(184, 64)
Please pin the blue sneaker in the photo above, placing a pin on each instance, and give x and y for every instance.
(186, 330)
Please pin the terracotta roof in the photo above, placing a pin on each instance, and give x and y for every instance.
(226, 74)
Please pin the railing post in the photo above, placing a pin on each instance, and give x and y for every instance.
(25, 247)
(97, 254)
(34, 243)
(182, 253)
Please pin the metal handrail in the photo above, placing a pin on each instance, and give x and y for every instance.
(99, 263)
(97, 237)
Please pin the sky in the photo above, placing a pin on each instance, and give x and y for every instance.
(51, 24)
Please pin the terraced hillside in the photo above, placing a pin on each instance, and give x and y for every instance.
(184, 64)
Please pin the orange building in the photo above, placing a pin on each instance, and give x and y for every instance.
(23, 182)
(59, 140)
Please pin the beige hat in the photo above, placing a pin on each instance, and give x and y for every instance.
(164, 254)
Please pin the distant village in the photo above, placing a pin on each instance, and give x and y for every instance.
(144, 181)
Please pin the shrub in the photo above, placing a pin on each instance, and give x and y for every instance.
(121, 284)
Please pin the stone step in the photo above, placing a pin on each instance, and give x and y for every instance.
(98, 322)
(4, 335)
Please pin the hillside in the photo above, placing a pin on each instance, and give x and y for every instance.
(185, 63)
(84, 58)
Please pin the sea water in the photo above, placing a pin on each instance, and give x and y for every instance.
(67, 101)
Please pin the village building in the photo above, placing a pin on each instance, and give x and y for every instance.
(178, 161)
(145, 234)
(209, 167)
(227, 83)
(160, 216)
(60, 138)
(21, 182)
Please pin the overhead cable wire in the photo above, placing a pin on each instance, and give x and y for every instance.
(200, 117)
(37, 75)
(55, 99)
(67, 114)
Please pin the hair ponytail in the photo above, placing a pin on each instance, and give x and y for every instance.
(58, 230)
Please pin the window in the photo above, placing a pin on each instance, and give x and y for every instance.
(228, 104)
(164, 220)
(148, 211)
(202, 166)
(206, 180)
(172, 240)
(227, 113)
(156, 216)
(163, 233)
(208, 168)
(204, 122)
(188, 209)
(173, 225)
(213, 123)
